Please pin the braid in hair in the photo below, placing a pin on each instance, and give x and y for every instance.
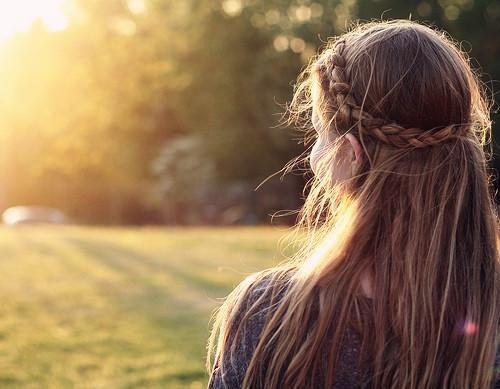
(335, 81)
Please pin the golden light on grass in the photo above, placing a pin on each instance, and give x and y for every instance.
(124, 307)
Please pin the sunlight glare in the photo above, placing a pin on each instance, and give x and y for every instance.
(17, 16)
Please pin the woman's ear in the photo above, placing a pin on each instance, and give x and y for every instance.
(356, 149)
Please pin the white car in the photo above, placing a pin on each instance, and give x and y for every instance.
(33, 214)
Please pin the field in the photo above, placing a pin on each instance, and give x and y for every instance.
(90, 307)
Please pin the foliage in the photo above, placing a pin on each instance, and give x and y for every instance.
(85, 112)
(186, 176)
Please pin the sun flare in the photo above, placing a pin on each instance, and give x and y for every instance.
(17, 16)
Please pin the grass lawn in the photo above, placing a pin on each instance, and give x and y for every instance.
(93, 307)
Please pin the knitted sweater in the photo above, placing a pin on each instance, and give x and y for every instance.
(230, 374)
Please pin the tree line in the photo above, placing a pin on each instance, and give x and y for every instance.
(153, 111)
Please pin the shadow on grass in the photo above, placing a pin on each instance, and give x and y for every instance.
(130, 262)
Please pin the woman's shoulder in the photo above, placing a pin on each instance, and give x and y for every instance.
(248, 307)
(255, 300)
(263, 287)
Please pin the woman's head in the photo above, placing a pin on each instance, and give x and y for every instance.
(400, 191)
(394, 86)
(400, 122)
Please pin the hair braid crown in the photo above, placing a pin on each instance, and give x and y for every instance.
(348, 113)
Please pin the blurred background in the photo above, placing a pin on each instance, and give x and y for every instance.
(167, 112)
(122, 122)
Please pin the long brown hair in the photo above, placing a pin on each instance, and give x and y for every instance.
(418, 216)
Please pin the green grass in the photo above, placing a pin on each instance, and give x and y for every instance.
(117, 308)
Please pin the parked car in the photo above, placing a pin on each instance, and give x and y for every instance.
(33, 214)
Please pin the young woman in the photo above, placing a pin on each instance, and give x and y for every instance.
(396, 283)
